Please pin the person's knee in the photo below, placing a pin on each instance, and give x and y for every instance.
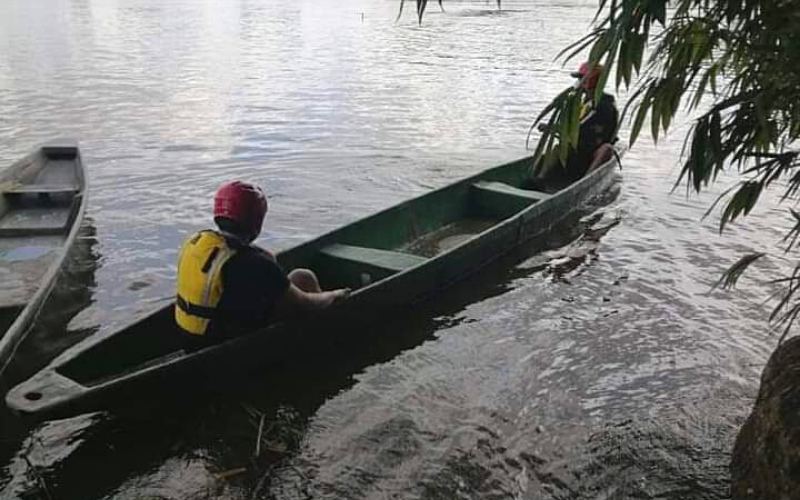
(305, 280)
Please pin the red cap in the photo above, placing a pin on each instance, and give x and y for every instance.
(590, 75)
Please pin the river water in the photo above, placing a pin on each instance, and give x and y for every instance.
(602, 365)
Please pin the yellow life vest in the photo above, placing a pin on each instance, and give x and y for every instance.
(200, 280)
(586, 110)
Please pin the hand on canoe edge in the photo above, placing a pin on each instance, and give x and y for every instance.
(340, 295)
(331, 297)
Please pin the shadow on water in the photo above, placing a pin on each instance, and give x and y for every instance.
(220, 426)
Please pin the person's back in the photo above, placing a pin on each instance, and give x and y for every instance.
(253, 285)
(227, 286)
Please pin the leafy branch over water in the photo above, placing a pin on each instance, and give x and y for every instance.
(739, 62)
(422, 5)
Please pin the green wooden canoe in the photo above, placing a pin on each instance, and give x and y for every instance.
(42, 201)
(389, 260)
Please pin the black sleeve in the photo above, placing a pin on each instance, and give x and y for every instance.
(612, 118)
(252, 284)
(601, 127)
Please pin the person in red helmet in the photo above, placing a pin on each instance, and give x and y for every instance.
(596, 136)
(227, 285)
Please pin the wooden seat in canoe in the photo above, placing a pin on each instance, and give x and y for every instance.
(39, 209)
(35, 221)
(11, 232)
(42, 189)
(386, 260)
(502, 200)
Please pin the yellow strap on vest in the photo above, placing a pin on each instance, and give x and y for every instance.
(200, 280)
(586, 110)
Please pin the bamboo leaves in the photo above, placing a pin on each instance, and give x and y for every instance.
(560, 126)
(742, 202)
(730, 278)
(715, 137)
(641, 114)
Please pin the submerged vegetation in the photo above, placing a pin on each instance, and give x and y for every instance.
(737, 62)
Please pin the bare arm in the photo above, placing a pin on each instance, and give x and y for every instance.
(295, 301)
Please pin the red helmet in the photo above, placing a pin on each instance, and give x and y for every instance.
(589, 74)
(242, 203)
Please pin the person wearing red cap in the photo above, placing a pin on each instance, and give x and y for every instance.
(228, 286)
(597, 133)
(600, 121)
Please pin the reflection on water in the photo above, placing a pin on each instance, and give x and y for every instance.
(604, 366)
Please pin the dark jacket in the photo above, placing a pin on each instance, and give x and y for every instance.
(598, 127)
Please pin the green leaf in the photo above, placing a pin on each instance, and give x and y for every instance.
(794, 234)
(600, 47)
(564, 132)
(641, 114)
(578, 48)
(741, 203)
(575, 120)
(761, 114)
(600, 8)
(580, 45)
(601, 84)
(623, 63)
(699, 171)
(638, 43)
(731, 276)
(700, 90)
(715, 134)
(713, 79)
(655, 116)
(660, 11)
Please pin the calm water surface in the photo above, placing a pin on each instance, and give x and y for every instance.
(603, 366)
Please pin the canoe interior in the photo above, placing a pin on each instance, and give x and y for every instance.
(8, 315)
(39, 198)
(355, 256)
(411, 233)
